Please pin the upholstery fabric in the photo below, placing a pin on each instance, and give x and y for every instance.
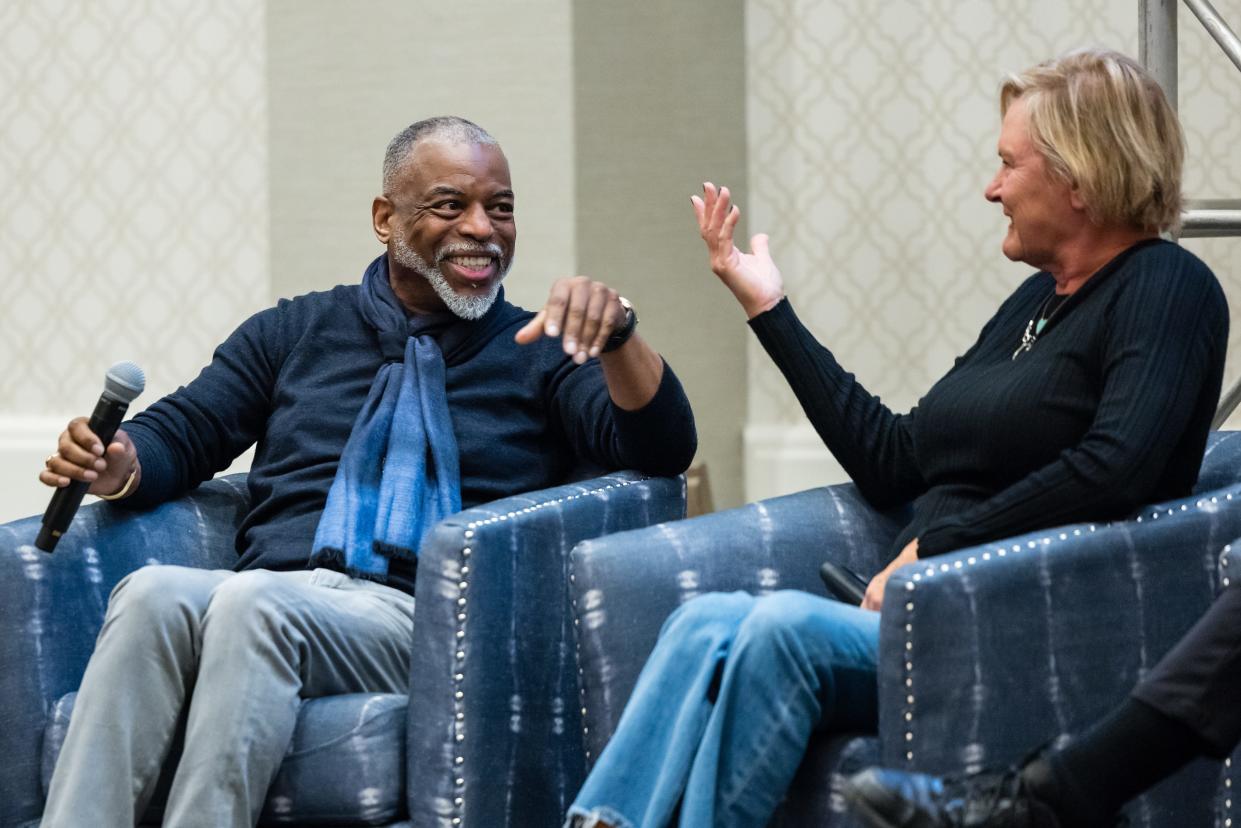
(492, 586)
(1093, 607)
(346, 763)
(1227, 808)
(495, 724)
(1098, 606)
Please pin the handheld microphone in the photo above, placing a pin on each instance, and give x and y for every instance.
(123, 382)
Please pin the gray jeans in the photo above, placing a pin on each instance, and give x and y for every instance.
(241, 650)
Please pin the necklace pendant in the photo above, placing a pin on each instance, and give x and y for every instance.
(1027, 339)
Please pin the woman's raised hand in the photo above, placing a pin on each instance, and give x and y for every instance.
(752, 277)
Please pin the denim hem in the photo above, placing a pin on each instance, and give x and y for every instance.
(591, 817)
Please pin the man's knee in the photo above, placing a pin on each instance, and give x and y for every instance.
(252, 602)
(159, 597)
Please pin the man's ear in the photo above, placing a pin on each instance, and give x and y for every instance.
(381, 216)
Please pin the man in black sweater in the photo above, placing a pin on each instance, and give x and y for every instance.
(328, 385)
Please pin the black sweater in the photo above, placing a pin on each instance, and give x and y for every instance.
(294, 377)
(1110, 408)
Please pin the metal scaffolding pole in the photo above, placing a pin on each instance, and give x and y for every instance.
(1157, 44)
(1211, 218)
(1157, 52)
(1218, 29)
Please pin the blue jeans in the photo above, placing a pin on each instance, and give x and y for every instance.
(725, 706)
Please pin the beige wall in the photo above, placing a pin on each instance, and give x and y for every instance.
(169, 168)
(872, 132)
(342, 83)
(133, 209)
(133, 213)
(648, 134)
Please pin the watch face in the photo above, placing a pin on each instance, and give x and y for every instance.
(621, 335)
(627, 305)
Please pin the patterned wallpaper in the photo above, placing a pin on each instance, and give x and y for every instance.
(134, 207)
(872, 130)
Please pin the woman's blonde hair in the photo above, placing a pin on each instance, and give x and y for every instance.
(1105, 126)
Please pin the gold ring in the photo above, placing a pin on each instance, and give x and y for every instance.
(50, 458)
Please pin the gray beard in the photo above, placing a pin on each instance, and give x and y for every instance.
(464, 307)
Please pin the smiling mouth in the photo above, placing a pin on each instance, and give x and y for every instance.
(471, 262)
(473, 268)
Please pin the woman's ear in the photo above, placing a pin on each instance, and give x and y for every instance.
(1076, 201)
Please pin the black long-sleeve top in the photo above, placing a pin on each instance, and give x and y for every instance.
(294, 377)
(1108, 410)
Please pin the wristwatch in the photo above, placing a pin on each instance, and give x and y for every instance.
(621, 335)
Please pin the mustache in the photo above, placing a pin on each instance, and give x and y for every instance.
(466, 249)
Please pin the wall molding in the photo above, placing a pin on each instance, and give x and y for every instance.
(782, 459)
(25, 441)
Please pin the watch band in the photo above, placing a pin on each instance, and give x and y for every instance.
(621, 335)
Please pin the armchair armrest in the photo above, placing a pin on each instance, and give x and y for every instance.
(625, 585)
(991, 651)
(1221, 462)
(494, 728)
(51, 607)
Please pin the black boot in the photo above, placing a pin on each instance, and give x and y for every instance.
(894, 799)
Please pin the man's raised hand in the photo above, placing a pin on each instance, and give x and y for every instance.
(581, 311)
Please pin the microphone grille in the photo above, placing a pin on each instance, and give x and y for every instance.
(124, 381)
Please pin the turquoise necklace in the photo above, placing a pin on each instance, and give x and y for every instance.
(1034, 328)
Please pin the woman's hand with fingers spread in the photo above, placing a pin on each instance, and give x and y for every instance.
(753, 277)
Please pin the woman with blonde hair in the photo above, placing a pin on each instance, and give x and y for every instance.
(1035, 425)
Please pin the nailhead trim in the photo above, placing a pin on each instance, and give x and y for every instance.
(1227, 811)
(1001, 552)
(458, 675)
(577, 648)
(577, 657)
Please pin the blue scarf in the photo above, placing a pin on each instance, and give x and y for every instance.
(399, 474)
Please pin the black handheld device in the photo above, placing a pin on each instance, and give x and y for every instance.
(844, 584)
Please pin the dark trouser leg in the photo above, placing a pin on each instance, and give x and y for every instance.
(1188, 706)
(1199, 682)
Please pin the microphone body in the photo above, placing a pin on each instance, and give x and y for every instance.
(124, 382)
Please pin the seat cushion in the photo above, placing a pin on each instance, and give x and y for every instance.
(345, 766)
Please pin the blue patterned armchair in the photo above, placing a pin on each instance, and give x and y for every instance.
(985, 653)
(491, 732)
